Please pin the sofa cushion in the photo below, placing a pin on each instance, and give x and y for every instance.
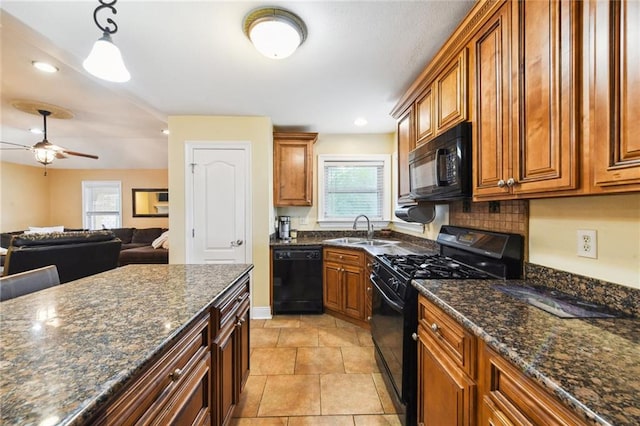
(145, 235)
(59, 238)
(146, 254)
(124, 234)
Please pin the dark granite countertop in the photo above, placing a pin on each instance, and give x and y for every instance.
(402, 246)
(66, 349)
(591, 365)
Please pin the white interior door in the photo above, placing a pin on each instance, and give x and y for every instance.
(218, 176)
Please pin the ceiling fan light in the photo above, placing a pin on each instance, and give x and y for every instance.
(276, 33)
(44, 156)
(105, 61)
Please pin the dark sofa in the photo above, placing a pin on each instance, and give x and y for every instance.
(136, 246)
(75, 254)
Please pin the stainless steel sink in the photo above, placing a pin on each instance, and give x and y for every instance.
(355, 241)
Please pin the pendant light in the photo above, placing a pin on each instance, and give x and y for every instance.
(105, 60)
(275, 32)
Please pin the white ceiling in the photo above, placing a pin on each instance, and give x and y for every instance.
(192, 58)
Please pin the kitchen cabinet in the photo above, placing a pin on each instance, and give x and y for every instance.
(511, 398)
(370, 262)
(406, 143)
(450, 89)
(230, 349)
(293, 168)
(425, 117)
(446, 369)
(344, 284)
(174, 390)
(615, 88)
(526, 69)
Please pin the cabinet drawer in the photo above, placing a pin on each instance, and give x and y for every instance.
(519, 399)
(225, 309)
(147, 397)
(352, 257)
(455, 341)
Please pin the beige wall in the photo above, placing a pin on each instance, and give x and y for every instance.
(201, 129)
(56, 199)
(336, 144)
(24, 197)
(616, 218)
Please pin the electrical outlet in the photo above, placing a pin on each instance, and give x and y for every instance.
(587, 244)
(304, 220)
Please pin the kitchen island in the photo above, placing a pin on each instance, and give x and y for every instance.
(67, 351)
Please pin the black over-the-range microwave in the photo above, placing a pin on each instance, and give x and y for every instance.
(440, 169)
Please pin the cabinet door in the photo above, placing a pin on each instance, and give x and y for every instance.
(293, 168)
(353, 292)
(331, 283)
(548, 110)
(225, 374)
(243, 347)
(424, 116)
(451, 94)
(615, 144)
(490, 67)
(446, 396)
(406, 143)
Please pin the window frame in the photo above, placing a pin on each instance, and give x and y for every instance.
(89, 184)
(323, 222)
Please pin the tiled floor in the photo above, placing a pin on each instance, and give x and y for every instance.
(313, 370)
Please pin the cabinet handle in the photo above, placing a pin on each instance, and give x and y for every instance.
(510, 182)
(414, 336)
(435, 328)
(369, 289)
(369, 318)
(341, 257)
(175, 376)
(501, 183)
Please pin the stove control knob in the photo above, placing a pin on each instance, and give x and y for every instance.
(414, 336)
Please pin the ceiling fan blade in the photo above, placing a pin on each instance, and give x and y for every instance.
(79, 154)
(60, 155)
(21, 146)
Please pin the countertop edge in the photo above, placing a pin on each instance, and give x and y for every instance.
(575, 405)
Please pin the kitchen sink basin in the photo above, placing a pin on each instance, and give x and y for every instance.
(355, 241)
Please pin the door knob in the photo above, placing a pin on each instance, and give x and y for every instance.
(236, 243)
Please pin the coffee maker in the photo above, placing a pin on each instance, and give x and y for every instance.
(284, 226)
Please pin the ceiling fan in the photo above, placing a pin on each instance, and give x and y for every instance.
(45, 152)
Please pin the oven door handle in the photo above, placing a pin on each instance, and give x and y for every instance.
(393, 304)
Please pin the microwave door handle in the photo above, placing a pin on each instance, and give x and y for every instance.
(440, 152)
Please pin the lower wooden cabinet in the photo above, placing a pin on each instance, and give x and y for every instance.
(461, 381)
(344, 284)
(446, 393)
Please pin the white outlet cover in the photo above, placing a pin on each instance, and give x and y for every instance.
(587, 243)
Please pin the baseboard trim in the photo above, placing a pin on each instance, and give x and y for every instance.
(261, 312)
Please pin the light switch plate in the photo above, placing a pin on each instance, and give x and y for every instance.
(587, 243)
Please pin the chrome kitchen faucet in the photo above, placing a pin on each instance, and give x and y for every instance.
(369, 226)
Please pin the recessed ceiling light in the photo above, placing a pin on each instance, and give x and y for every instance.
(44, 66)
(36, 130)
(165, 131)
(360, 122)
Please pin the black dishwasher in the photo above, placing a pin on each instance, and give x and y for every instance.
(297, 280)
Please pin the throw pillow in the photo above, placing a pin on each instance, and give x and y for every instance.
(44, 230)
(165, 245)
(160, 240)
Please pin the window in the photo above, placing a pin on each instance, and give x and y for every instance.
(101, 204)
(350, 185)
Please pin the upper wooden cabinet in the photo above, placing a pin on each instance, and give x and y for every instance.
(293, 168)
(406, 142)
(451, 94)
(526, 78)
(615, 85)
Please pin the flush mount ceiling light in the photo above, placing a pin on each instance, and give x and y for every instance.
(276, 33)
(105, 60)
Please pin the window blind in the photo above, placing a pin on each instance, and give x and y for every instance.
(352, 188)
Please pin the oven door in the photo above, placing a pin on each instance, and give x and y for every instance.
(387, 331)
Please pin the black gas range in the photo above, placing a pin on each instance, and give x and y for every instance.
(464, 254)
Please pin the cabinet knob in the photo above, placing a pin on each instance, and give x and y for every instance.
(369, 318)
(341, 257)
(175, 376)
(501, 183)
(369, 289)
(435, 328)
(239, 323)
(510, 182)
(414, 336)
